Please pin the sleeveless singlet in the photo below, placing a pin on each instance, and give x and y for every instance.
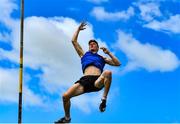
(94, 59)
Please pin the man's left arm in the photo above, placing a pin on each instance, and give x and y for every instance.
(113, 60)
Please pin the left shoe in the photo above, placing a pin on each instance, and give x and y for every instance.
(102, 106)
(63, 120)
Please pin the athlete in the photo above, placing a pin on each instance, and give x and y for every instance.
(94, 78)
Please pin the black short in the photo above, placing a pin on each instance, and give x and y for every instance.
(88, 82)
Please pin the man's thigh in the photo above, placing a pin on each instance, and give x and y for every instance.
(99, 83)
(75, 90)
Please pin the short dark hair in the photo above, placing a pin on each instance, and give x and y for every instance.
(94, 42)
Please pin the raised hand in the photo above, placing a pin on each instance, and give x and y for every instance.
(82, 26)
(105, 50)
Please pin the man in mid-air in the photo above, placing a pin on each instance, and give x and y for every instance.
(94, 78)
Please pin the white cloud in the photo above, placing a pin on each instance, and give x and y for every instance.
(4, 37)
(8, 85)
(97, 1)
(146, 56)
(9, 89)
(32, 99)
(149, 10)
(100, 14)
(170, 25)
(92, 101)
(6, 8)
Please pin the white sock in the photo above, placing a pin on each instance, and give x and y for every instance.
(104, 98)
(67, 118)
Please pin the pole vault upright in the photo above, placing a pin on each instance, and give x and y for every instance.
(21, 63)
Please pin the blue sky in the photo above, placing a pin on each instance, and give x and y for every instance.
(143, 34)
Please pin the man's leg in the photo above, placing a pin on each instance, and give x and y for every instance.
(104, 80)
(75, 90)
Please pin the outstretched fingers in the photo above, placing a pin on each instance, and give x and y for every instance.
(82, 25)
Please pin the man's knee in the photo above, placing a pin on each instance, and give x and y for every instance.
(65, 97)
(107, 73)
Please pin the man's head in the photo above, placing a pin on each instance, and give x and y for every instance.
(93, 46)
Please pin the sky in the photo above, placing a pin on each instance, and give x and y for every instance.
(143, 34)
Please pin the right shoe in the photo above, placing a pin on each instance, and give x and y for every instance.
(63, 120)
(102, 106)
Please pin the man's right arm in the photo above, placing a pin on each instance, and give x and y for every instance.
(75, 43)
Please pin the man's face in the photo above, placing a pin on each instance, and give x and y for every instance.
(93, 47)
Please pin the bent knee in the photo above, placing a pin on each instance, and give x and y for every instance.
(65, 97)
(107, 73)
